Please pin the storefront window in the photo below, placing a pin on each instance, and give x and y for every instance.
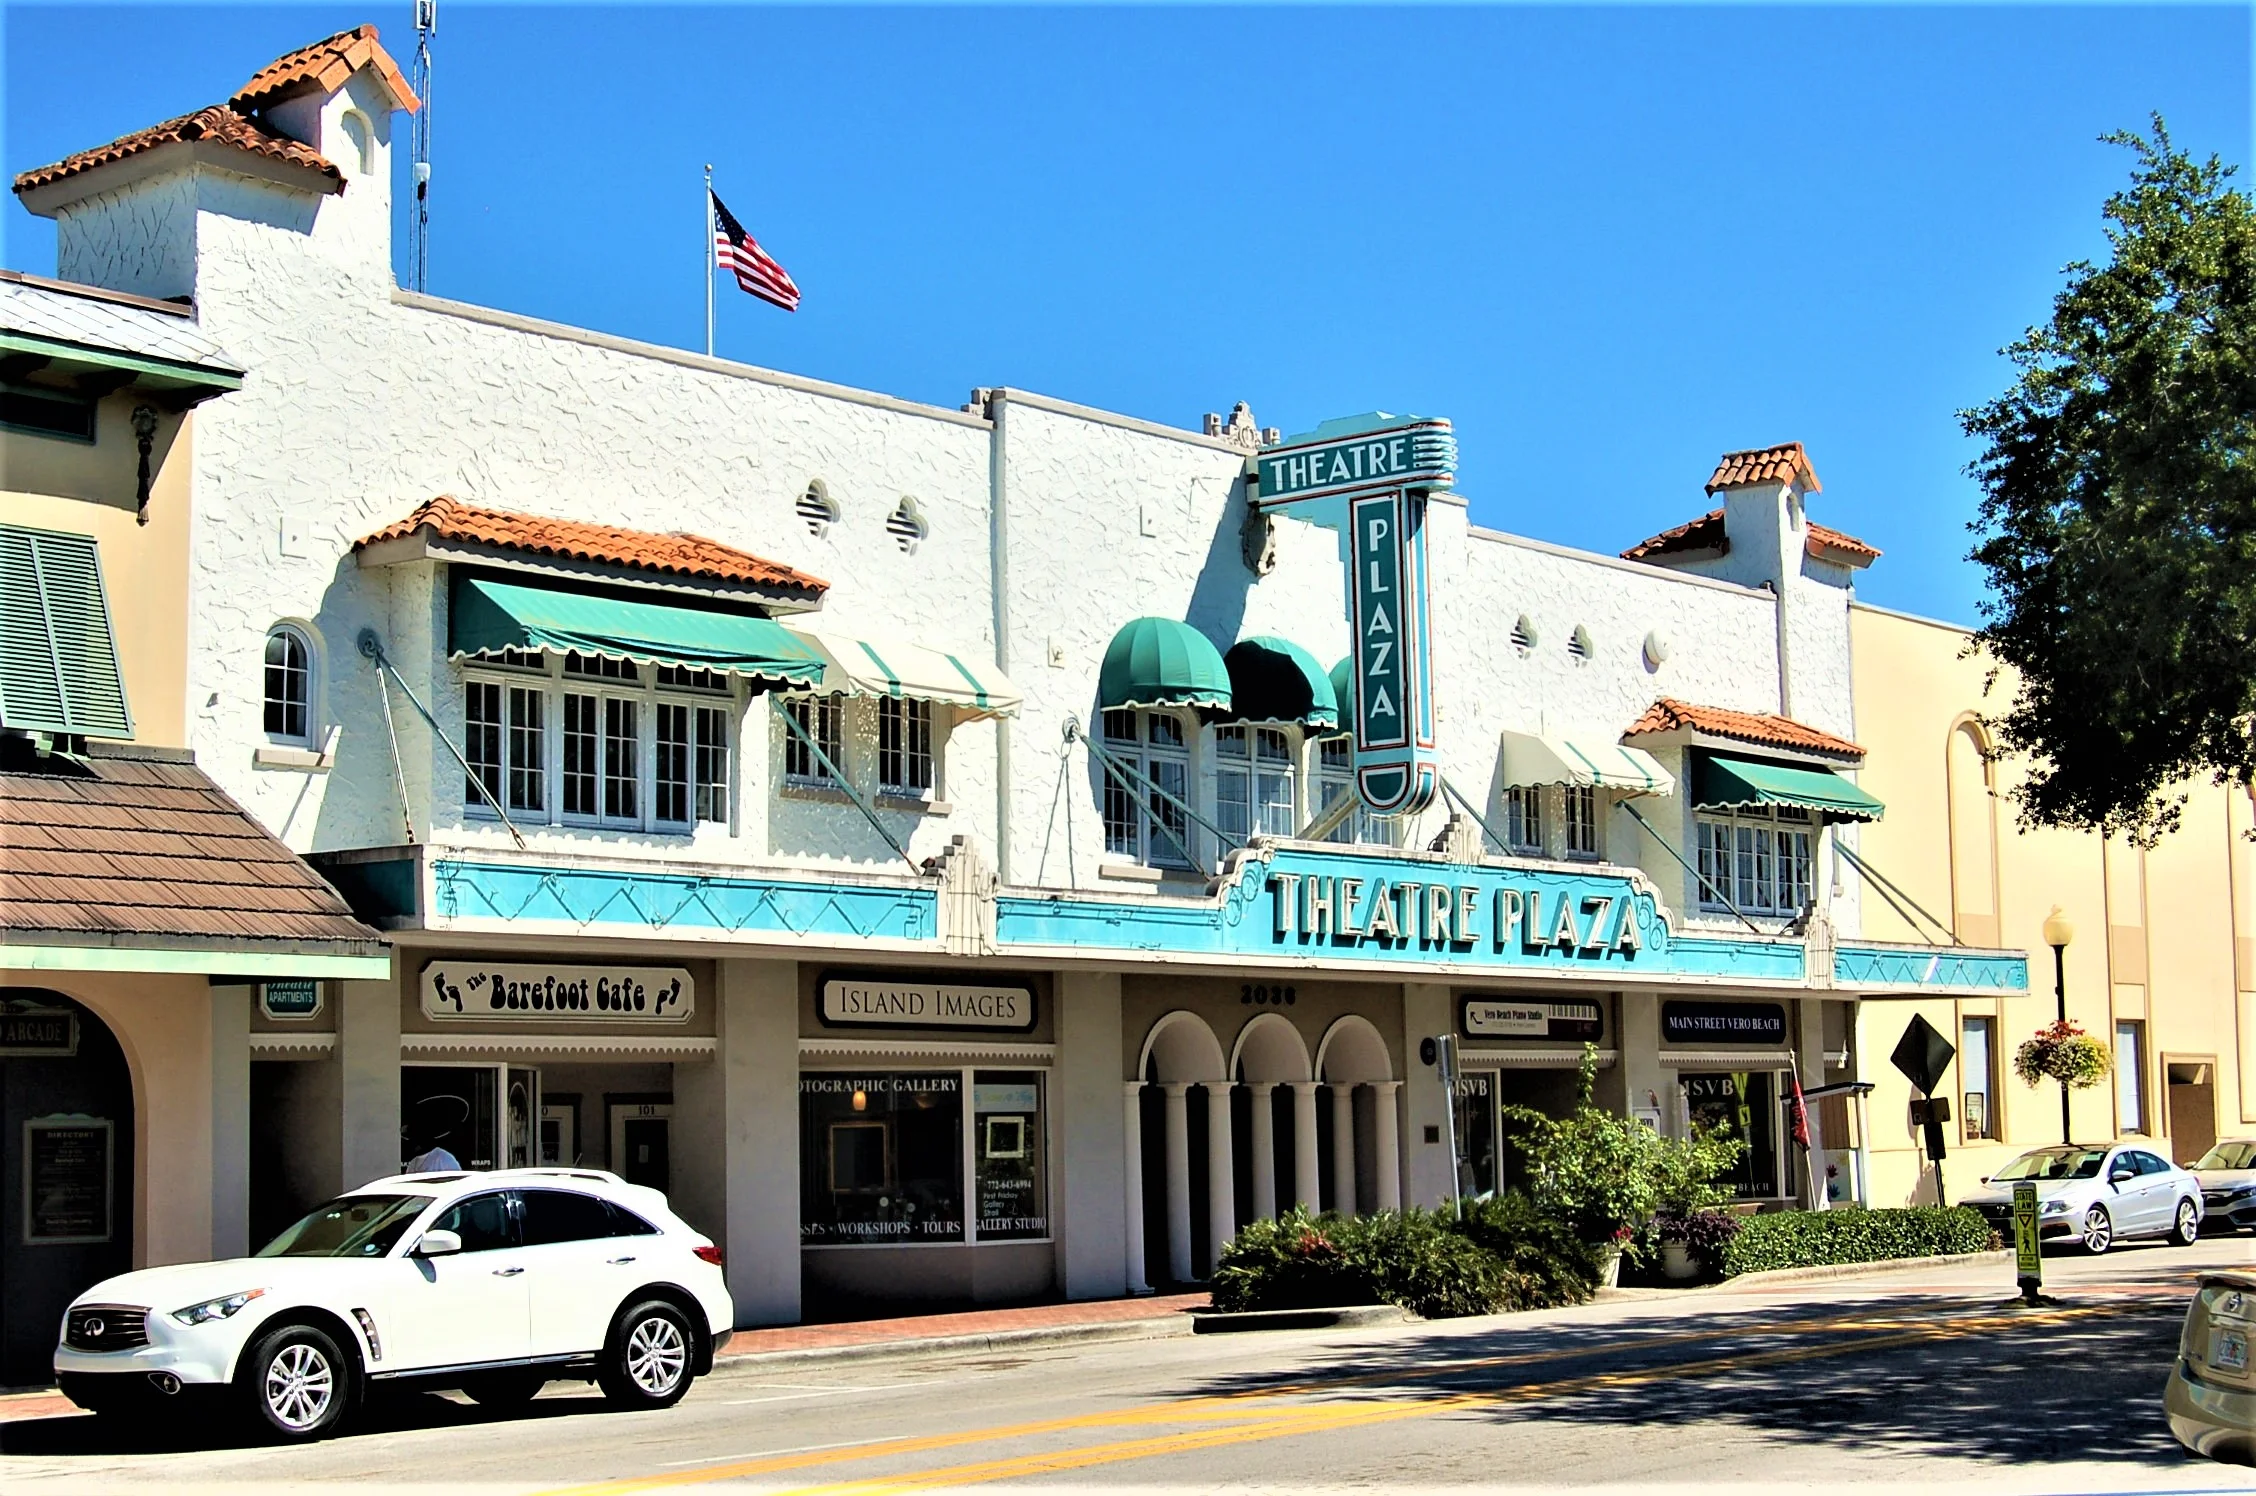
(881, 1157)
(1745, 1102)
(1476, 1131)
(1013, 1198)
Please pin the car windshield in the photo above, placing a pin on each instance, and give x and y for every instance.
(2229, 1156)
(354, 1226)
(2055, 1163)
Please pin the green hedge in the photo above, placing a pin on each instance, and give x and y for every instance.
(1502, 1255)
(1817, 1238)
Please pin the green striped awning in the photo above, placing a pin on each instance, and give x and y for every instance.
(488, 616)
(1162, 662)
(1723, 781)
(1531, 758)
(1343, 685)
(893, 667)
(1275, 680)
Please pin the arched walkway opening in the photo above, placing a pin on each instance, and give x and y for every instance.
(1179, 1118)
(1362, 1153)
(66, 1169)
(1276, 1085)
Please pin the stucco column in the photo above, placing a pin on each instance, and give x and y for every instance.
(1088, 1164)
(1343, 1149)
(231, 1121)
(368, 1063)
(1263, 1142)
(1427, 1011)
(1307, 1169)
(1389, 1143)
(1221, 1175)
(1810, 1057)
(1178, 1180)
(1132, 1178)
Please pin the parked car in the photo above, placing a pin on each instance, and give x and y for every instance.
(2211, 1397)
(490, 1283)
(2228, 1185)
(2097, 1195)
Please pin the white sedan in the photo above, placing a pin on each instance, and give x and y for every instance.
(2228, 1185)
(2097, 1195)
(491, 1283)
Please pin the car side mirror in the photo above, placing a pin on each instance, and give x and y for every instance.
(2117, 1176)
(437, 1244)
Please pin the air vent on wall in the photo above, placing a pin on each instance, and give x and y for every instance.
(817, 508)
(1523, 634)
(906, 525)
(1578, 643)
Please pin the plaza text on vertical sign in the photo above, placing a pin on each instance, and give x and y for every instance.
(1368, 478)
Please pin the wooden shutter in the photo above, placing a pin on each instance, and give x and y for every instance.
(58, 657)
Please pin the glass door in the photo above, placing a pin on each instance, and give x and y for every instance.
(521, 1138)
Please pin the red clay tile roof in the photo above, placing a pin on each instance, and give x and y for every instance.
(1702, 534)
(323, 68)
(216, 123)
(1668, 715)
(1781, 464)
(145, 846)
(448, 518)
(1707, 534)
(1821, 539)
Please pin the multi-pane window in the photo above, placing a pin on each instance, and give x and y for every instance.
(1140, 821)
(1758, 861)
(2130, 1076)
(621, 746)
(1335, 777)
(904, 746)
(1523, 818)
(1253, 781)
(822, 718)
(1581, 820)
(289, 686)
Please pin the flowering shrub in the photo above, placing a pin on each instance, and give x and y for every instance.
(2063, 1052)
(1503, 1255)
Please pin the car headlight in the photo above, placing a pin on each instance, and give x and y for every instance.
(211, 1309)
(2054, 1207)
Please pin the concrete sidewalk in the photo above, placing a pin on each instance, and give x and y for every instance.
(927, 1334)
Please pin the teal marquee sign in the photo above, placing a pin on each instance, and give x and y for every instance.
(1358, 454)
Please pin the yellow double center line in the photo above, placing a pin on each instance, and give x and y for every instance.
(1248, 1422)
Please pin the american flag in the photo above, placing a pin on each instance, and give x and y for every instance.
(756, 270)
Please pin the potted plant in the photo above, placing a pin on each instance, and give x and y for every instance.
(1692, 1245)
(1594, 1171)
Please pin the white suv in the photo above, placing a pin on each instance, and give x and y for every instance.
(491, 1283)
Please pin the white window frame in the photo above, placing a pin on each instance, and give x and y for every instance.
(1762, 861)
(1582, 819)
(823, 715)
(1256, 779)
(908, 754)
(307, 672)
(1523, 819)
(518, 678)
(1136, 836)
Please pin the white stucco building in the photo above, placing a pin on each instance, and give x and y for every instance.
(1042, 1017)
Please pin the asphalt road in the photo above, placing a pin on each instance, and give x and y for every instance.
(1917, 1378)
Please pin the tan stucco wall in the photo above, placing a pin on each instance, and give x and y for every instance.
(164, 1025)
(2156, 936)
(89, 490)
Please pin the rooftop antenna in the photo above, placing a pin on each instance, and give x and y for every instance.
(419, 225)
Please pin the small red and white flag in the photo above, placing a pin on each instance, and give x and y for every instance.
(1797, 1112)
(755, 269)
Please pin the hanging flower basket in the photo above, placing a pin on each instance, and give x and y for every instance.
(2065, 1053)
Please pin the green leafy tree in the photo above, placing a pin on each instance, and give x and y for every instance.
(2118, 523)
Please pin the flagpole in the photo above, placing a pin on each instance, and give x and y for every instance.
(709, 258)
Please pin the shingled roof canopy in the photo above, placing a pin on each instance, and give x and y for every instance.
(1671, 715)
(137, 847)
(1784, 463)
(1707, 533)
(323, 68)
(693, 557)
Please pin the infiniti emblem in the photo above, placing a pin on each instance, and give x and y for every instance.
(94, 1326)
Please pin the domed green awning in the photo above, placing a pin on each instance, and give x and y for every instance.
(1343, 686)
(1162, 662)
(1275, 680)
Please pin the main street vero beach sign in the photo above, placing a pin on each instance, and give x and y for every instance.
(1367, 478)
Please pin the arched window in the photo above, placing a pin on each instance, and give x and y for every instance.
(289, 686)
(363, 141)
(1973, 837)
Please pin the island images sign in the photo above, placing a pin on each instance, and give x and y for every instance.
(1367, 478)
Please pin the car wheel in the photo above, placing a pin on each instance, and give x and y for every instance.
(2099, 1231)
(647, 1362)
(504, 1389)
(296, 1383)
(2187, 1229)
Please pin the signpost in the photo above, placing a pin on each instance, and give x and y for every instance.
(2028, 1254)
(1445, 1061)
(1367, 478)
(1924, 1056)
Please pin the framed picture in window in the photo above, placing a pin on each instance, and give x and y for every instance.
(858, 1158)
(1006, 1137)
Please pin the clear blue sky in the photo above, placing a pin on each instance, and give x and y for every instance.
(1610, 243)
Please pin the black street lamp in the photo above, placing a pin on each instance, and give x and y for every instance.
(2059, 929)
